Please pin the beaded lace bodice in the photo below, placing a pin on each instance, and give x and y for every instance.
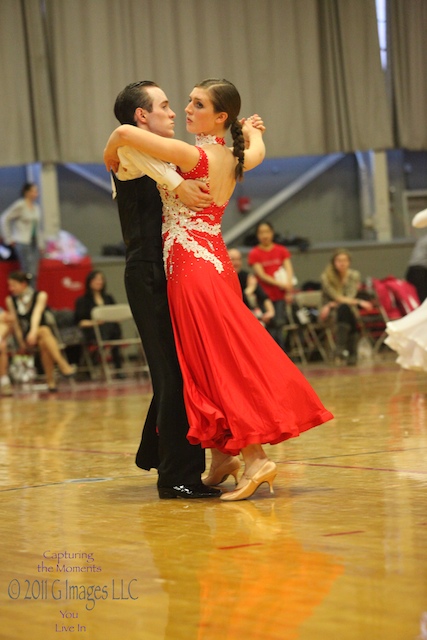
(194, 231)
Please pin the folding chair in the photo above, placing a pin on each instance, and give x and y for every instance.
(373, 323)
(318, 334)
(120, 314)
(71, 339)
(292, 332)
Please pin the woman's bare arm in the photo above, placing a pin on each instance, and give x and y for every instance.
(255, 154)
(180, 153)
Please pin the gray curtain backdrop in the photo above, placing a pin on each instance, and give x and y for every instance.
(310, 67)
(17, 125)
(408, 29)
(42, 104)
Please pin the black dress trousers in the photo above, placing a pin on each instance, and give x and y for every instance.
(164, 444)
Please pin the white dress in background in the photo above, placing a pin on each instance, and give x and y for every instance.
(420, 220)
(408, 337)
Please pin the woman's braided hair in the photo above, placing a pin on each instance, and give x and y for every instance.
(225, 97)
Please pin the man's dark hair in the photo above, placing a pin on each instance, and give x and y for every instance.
(134, 95)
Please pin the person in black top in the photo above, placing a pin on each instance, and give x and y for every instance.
(96, 294)
(30, 326)
(164, 443)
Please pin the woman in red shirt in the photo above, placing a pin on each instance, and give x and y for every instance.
(272, 265)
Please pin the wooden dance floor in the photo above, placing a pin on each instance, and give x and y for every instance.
(340, 551)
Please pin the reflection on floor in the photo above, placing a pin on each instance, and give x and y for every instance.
(339, 551)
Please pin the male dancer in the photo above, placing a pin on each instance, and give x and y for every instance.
(164, 444)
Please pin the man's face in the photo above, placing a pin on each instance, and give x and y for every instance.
(236, 259)
(161, 119)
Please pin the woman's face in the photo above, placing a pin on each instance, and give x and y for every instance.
(15, 287)
(342, 263)
(33, 193)
(201, 117)
(97, 282)
(265, 235)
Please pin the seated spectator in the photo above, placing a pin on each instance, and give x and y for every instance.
(254, 295)
(96, 295)
(5, 329)
(340, 286)
(417, 268)
(27, 308)
(272, 265)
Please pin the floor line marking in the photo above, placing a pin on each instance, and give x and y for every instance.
(71, 481)
(241, 546)
(341, 533)
(362, 453)
(70, 450)
(128, 453)
(344, 466)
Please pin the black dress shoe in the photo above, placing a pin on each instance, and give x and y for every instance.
(188, 491)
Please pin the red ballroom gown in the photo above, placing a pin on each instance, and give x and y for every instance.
(240, 387)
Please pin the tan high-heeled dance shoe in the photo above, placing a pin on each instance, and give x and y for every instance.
(70, 372)
(229, 467)
(249, 484)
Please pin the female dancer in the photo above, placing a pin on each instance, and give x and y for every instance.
(240, 389)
